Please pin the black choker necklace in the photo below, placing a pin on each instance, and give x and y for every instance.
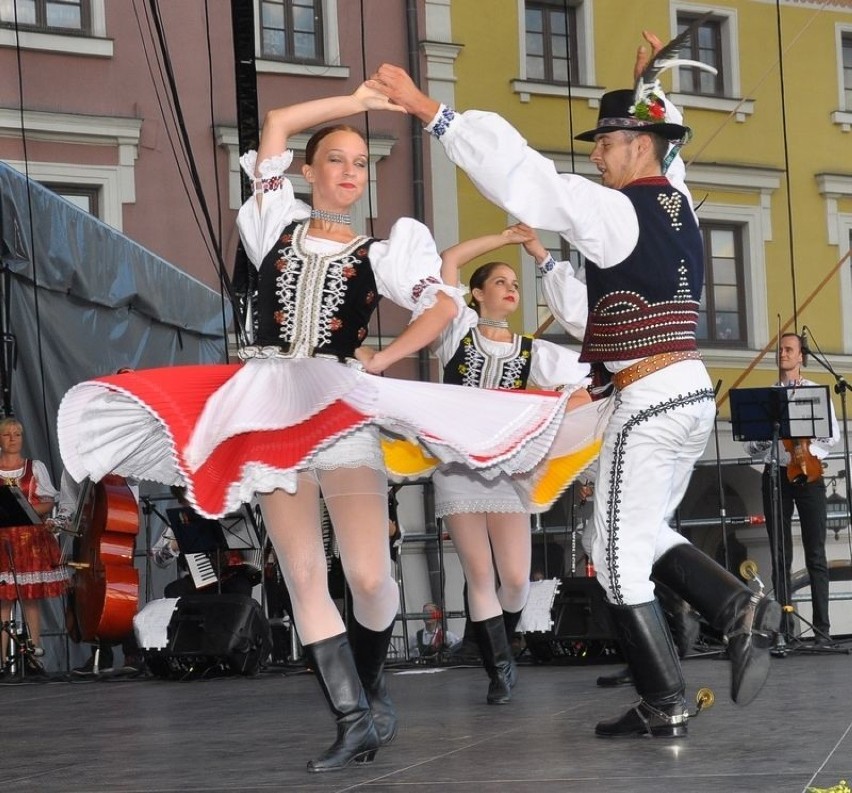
(332, 217)
(493, 323)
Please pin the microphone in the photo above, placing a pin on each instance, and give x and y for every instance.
(804, 337)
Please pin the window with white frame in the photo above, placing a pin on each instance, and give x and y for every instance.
(843, 43)
(75, 27)
(50, 16)
(551, 41)
(298, 37)
(85, 197)
(716, 43)
(704, 45)
(292, 30)
(846, 61)
(722, 317)
(556, 46)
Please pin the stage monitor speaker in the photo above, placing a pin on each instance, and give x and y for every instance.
(579, 610)
(582, 632)
(213, 634)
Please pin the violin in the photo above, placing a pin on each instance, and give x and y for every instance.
(803, 467)
(105, 595)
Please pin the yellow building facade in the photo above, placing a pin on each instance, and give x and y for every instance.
(769, 167)
(770, 162)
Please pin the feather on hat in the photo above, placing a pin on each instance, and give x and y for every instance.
(643, 107)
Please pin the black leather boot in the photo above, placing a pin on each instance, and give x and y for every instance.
(648, 647)
(511, 620)
(497, 658)
(621, 678)
(357, 739)
(682, 619)
(749, 619)
(370, 649)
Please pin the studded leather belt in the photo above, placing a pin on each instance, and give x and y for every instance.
(651, 364)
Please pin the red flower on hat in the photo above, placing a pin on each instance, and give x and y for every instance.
(651, 108)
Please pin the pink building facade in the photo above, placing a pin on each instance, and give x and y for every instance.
(87, 110)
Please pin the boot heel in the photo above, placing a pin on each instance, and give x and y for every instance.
(366, 757)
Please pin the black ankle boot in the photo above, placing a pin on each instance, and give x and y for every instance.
(497, 658)
(370, 649)
(647, 645)
(749, 619)
(357, 739)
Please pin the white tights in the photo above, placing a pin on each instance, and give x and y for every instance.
(357, 504)
(485, 541)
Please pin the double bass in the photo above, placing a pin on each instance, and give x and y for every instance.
(105, 592)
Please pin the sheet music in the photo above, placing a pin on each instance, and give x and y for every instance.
(240, 535)
(809, 412)
(151, 623)
(536, 616)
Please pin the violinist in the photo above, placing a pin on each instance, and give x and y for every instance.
(801, 484)
(29, 555)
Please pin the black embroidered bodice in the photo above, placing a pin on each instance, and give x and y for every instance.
(315, 303)
(472, 366)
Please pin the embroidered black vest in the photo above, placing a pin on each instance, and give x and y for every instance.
(648, 303)
(309, 303)
(472, 366)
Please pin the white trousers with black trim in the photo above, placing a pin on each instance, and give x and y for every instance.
(658, 430)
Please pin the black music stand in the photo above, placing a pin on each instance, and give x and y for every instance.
(774, 414)
(15, 510)
(195, 534)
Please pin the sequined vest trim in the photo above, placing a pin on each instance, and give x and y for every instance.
(648, 303)
(472, 366)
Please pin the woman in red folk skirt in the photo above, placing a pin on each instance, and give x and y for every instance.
(29, 555)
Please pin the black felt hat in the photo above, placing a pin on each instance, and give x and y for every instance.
(619, 110)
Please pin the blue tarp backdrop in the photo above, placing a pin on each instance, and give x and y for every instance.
(82, 300)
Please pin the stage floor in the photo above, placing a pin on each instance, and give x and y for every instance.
(256, 734)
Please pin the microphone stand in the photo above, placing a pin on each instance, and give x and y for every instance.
(23, 646)
(723, 512)
(841, 387)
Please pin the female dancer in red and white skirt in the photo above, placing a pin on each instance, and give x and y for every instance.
(302, 413)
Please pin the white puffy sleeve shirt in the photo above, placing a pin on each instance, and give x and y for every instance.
(599, 221)
(553, 367)
(407, 265)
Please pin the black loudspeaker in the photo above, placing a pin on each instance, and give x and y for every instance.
(579, 610)
(213, 634)
(582, 631)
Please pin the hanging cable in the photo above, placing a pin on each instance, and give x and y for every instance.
(550, 319)
(696, 153)
(224, 279)
(790, 234)
(568, 54)
(167, 115)
(367, 134)
(218, 190)
(48, 422)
